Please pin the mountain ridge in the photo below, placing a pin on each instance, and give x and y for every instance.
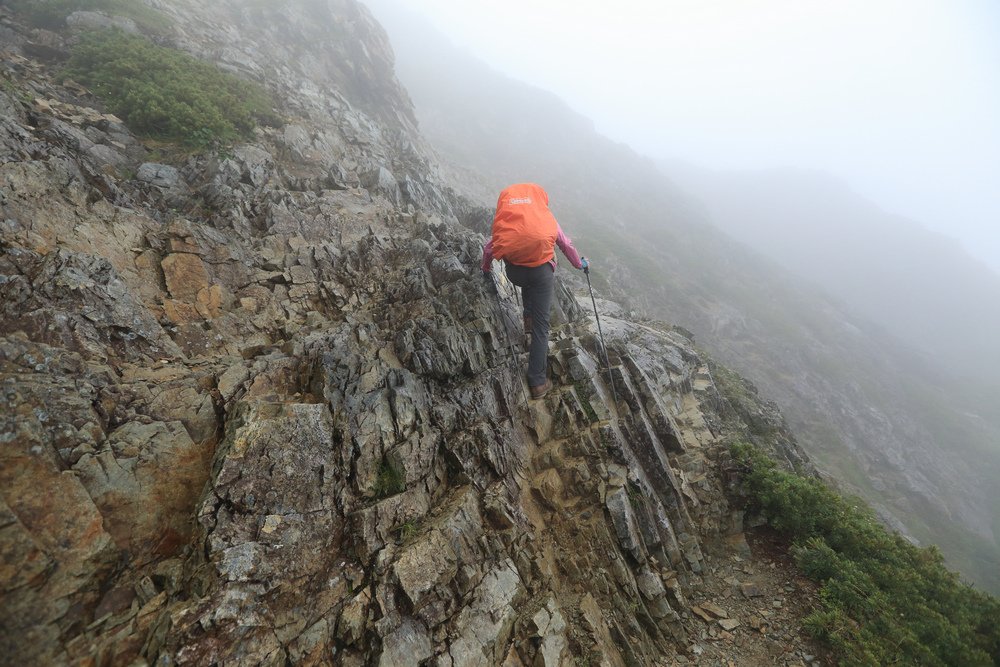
(791, 214)
(260, 406)
(872, 429)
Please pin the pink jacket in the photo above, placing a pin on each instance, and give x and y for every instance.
(564, 242)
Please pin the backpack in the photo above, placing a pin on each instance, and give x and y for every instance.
(524, 230)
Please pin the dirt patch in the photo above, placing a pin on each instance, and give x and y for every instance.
(748, 610)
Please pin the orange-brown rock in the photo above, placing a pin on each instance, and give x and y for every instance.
(185, 275)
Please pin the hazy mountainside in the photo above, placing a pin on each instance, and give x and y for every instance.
(921, 286)
(259, 406)
(876, 414)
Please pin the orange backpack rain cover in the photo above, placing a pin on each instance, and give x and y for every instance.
(524, 230)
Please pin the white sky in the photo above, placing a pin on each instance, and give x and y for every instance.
(899, 97)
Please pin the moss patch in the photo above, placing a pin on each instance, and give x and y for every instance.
(584, 398)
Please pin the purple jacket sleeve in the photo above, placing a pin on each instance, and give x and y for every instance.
(488, 256)
(566, 245)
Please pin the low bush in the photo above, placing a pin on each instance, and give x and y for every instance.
(389, 480)
(51, 14)
(883, 600)
(165, 94)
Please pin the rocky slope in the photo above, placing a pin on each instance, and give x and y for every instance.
(921, 286)
(888, 423)
(259, 406)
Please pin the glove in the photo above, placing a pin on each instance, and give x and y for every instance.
(584, 264)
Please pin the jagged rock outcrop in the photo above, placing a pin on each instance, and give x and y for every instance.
(259, 406)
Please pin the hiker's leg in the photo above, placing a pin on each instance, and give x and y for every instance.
(538, 291)
(526, 312)
(520, 276)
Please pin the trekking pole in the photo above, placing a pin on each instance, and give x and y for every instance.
(510, 343)
(604, 348)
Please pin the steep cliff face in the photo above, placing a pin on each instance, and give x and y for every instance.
(260, 407)
(897, 429)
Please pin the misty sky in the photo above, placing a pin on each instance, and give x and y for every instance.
(901, 98)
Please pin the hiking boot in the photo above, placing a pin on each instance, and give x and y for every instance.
(541, 390)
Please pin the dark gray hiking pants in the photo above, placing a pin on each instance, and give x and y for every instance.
(538, 285)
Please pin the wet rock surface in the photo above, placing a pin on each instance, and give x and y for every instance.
(260, 406)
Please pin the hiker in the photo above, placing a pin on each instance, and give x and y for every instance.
(525, 234)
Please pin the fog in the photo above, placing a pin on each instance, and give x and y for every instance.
(899, 98)
(875, 336)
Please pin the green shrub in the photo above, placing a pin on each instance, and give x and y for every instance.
(14, 91)
(388, 480)
(51, 14)
(408, 531)
(883, 600)
(166, 94)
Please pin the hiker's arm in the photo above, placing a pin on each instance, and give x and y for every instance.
(566, 245)
(488, 256)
